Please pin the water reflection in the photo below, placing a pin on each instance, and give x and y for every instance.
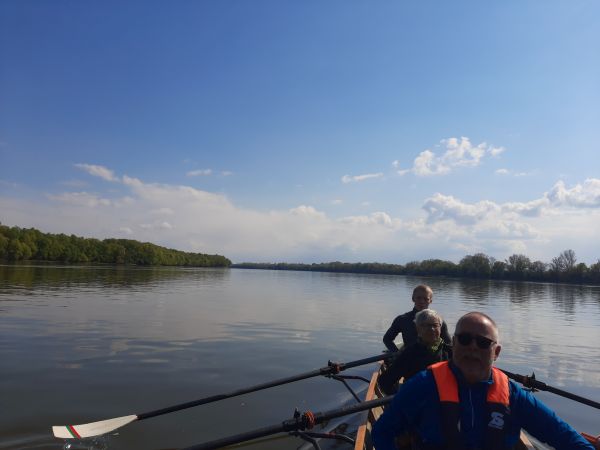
(565, 297)
(29, 279)
(523, 292)
(475, 293)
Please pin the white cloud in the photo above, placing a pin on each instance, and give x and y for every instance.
(306, 211)
(462, 153)
(163, 211)
(200, 172)
(514, 174)
(376, 218)
(156, 226)
(559, 199)
(586, 195)
(358, 178)
(428, 164)
(446, 207)
(207, 222)
(226, 173)
(496, 151)
(336, 201)
(123, 202)
(81, 199)
(459, 153)
(133, 182)
(98, 171)
(536, 224)
(533, 208)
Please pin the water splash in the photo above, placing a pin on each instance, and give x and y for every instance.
(95, 443)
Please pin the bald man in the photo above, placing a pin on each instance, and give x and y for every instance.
(469, 404)
(405, 323)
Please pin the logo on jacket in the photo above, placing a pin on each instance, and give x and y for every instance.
(497, 420)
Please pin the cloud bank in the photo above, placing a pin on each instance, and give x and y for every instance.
(190, 219)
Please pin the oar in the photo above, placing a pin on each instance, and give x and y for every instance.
(106, 426)
(307, 420)
(531, 382)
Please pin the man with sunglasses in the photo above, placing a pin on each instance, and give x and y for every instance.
(469, 404)
(405, 323)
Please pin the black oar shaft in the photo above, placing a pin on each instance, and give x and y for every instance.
(533, 383)
(327, 370)
(290, 425)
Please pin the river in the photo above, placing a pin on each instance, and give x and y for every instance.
(80, 344)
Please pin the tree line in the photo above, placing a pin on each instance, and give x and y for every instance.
(21, 244)
(517, 267)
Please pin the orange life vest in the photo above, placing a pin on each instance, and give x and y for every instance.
(498, 401)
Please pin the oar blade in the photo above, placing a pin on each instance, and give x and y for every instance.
(86, 430)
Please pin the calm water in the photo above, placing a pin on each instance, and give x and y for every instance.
(80, 344)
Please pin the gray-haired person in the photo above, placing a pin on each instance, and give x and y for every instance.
(429, 348)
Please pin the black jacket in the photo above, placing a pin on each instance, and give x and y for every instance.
(412, 359)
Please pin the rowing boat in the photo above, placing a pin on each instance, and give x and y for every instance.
(297, 426)
(363, 435)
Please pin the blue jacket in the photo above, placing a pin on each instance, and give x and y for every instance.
(416, 407)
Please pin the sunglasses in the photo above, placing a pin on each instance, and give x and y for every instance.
(482, 342)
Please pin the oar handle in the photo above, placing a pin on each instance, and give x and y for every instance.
(291, 425)
(330, 369)
(531, 382)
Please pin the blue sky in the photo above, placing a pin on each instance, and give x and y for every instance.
(305, 131)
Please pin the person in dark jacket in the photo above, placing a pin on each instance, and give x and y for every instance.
(405, 324)
(466, 403)
(428, 349)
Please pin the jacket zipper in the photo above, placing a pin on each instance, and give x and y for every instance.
(472, 410)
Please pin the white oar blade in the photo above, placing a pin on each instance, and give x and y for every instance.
(86, 430)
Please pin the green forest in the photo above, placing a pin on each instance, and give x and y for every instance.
(23, 244)
(563, 268)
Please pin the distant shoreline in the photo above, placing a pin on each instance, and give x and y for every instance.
(517, 268)
(30, 245)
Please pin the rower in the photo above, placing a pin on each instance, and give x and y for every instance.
(429, 348)
(405, 323)
(467, 403)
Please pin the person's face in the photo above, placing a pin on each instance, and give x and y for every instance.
(422, 299)
(475, 362)
(430, 331)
